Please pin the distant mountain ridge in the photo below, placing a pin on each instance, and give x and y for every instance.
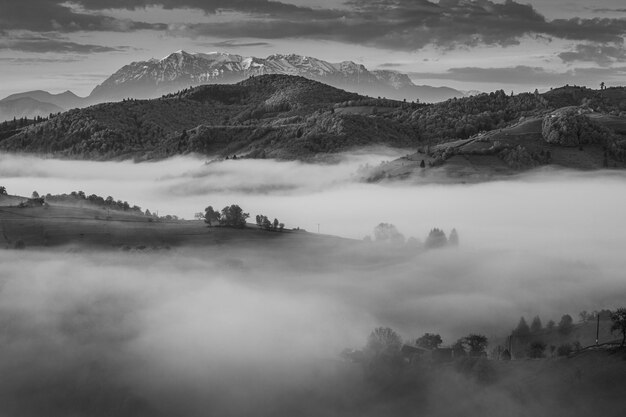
(152, 78)
(180, 70)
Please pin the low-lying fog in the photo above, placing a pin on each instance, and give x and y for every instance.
(195, 333)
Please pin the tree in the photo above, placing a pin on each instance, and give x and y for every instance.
(619, 322)
(536, 349)
(387, 232)
(275, 224)
(476, 343)
(233, 216)
(566, 324)
(383, 340)
(535, 325)
(34, 195)
(429, 341)
(453, 240)
(422, 164)
(522, 331)
(3, 190)
(550, 325)
(211, 216)
(436, 239)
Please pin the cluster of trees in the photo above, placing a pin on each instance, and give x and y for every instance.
(437, 239)
(78, 197)
(388, 233)
(571, 127)
(530, 340)
(265, 223)
(230, 216)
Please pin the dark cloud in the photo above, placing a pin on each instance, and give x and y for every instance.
(274, 8)
(394, 24)
(234, 44)
(391, 65)
(606, 10)
(604, 55)
(39, 44)
(524, 75)
(31, 61)
(56, 15)
(411, 25)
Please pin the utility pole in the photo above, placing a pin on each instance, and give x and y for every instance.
(318, 228)
(598, 329)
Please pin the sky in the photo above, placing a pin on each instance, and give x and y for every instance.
(484, 45)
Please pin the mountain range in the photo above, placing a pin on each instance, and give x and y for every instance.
(179, 70)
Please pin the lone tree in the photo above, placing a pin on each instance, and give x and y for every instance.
(233, 216)
(619, 322)
(211, 216)
(566, 325)
(476, 343)
(453, 240)
(535, 325)
(387, 232)
(3, 190)
(429, 341)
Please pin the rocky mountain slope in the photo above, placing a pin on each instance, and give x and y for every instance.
(149, 79)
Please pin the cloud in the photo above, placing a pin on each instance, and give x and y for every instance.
(603, 55)
(524, 75)
(39, 44)
(395, 24)
(229, 44)
(411, 25)
(59, 16)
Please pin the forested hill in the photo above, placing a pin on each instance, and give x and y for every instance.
(287, 117)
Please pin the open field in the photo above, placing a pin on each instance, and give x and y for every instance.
(61, 225)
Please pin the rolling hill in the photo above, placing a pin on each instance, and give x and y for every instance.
(292, 117)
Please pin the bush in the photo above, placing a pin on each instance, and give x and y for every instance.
(564, 350)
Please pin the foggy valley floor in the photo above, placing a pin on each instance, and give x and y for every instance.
(130, 317)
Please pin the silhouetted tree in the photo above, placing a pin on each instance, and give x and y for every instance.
(453, 240)
(436, 239)
(550, 325)
(422, 164)
(536, 349)
(233, 216)
(619, 323)
(211, 216)
(387, 232)
(3, 190)
(34, 195)
(429, 341)
(566, 324)
(522, 331)
(476, 343)
(535, 325)
(383, 340)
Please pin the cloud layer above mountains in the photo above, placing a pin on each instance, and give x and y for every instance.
(399, 24)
